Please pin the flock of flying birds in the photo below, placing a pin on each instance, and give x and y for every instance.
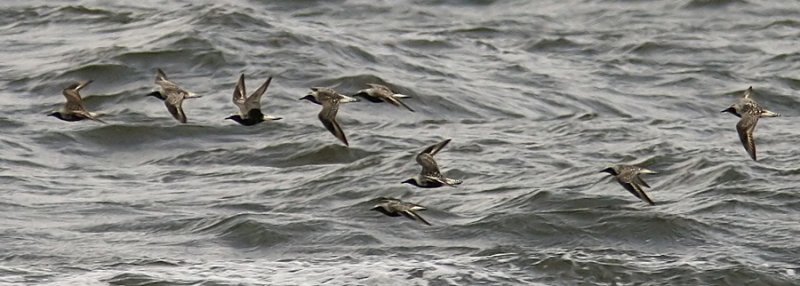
(250, 113)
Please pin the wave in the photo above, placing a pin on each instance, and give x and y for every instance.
(702, 4)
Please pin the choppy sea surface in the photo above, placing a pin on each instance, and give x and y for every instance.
(537, 96)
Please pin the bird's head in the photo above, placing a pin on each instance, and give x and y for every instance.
(411, 181)
(309, 97)
(731, 110)
(609, 170)
(156, 94)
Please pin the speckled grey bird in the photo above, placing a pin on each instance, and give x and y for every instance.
(330, 100)
(313, 96)
(749, 111)
(250, 107)
(395, 208)
(628, 177)
(430, 176)
(73, 109)
(172, 95)
(381, 93)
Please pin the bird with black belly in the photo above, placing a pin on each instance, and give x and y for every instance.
(250, 107)
(73, 109)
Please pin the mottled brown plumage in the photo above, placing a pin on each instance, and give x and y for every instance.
(628, 177)
(430, 176)
(749, 111)
(73, 109)
(172, 95)
(395, 208)
(330, 100)
(382, 93)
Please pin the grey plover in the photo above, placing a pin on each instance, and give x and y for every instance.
(381, 93)
(172, 95)
(250, 107)
(430, 176)
(628, 177)
(74, 110)
(749, 111)
(395, 208)
(313, 96)
(330, 100)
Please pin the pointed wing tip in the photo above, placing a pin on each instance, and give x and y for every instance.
(748, 92)
(160, 75)
(404, 105)
(415, 216)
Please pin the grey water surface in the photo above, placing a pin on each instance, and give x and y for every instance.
(537, 96)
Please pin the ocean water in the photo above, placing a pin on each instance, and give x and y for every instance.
(537, 96)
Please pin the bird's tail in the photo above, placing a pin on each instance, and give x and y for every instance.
(767, 113)
(346, 98)
(93, 116)
(646, 171)
(452, 182)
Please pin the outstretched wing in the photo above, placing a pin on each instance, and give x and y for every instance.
(161, 76)
(638, 180)
(637, 191)
(396, 101)
(435, 148)
(254, 101)
(409, 210)
(167, 87)
(88, 115)
(429, 167)
(240, 96)
(745, 128)
(328, 118)
(73, 96)
(414, 216)
(175, 106)
(390, 98)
